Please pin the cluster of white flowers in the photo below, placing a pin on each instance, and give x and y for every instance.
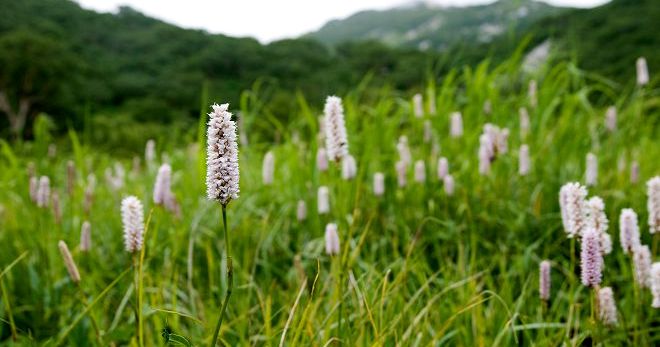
(222, 175)
(132, 217)
(573, 208)
(336, 141)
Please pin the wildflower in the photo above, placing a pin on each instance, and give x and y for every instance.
(428, 131)
(52, 150)
(592, 169)
(43, 192)
(379, 184)
(456, 127)
(162, 190)
(485, 154)
(57, 209)
(417, 105)
(401, 173)
(431, 96)
(443, 168)
(610, 118)
(86, 237)
(132, 217)
(348, 167)
(222, 173)
(331, 239)
(642, 265)
(420, 171)
(301, 210)
(448, 183)
(523, 160)
(634, 171)
(268, 168)
(487, 107)
(336, 142)
(544, 280)
(68, 262)
(597, 220)
(34, 188)
(150, 151)
(607, 312)
(71, 176)
(642, 71)
(323, 196)
(655, 284)
(653, 203)
(591, 258)
(531, 93)
(573, 210)
(404, 150)
(524, 122)
(321, 159)
(628, 230)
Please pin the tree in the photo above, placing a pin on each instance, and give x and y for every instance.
(33, 71)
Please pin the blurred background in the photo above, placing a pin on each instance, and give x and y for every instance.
(123, 71)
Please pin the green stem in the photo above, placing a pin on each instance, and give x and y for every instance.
(138, 310)
(230, 279)
(83, 301)
(12, 325)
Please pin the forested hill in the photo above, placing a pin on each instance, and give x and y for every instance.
(59, 58)
(425, 25)
(152, 70)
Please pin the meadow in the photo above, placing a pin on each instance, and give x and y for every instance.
(421, 261)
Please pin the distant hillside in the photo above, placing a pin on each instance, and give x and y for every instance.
(426, 26)
(130, 64)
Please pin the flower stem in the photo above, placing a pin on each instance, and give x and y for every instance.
(230, 279)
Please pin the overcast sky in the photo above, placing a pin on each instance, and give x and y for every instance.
(268, 20)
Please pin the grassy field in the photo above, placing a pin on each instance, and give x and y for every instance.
(417, 267)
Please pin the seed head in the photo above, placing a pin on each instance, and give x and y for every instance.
(401, 169)
(86, 237)
(68, 262)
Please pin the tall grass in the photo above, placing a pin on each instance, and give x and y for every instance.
(420, 268)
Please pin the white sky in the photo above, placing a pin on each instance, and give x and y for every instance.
(268, 20)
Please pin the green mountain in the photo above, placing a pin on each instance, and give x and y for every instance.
(427, 26)
(59, 58)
